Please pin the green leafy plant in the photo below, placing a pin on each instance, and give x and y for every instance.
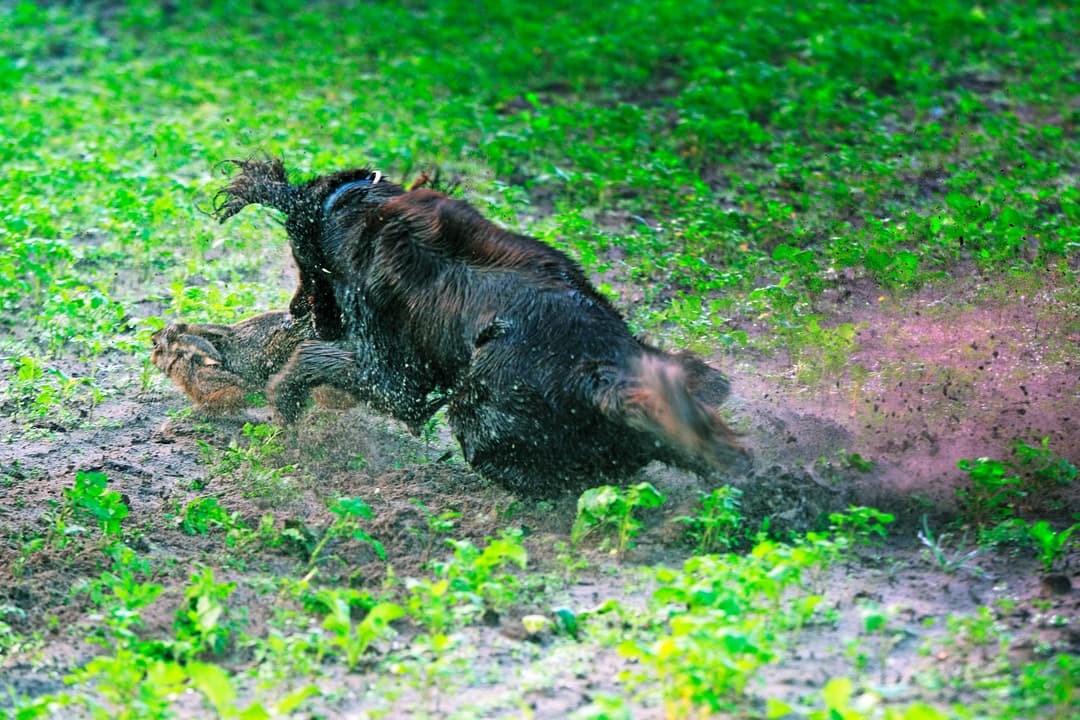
(202, 514)
(46, 396)
(431, 604)
(876, 625)
(202, 623)
(991, 497)
(704, 663)
(1051, 545)
(860, 525)
(87, 500)
(609, 508)
(842, 701)
(714, 528)
(13, 643)
(437, 526)
(474, 576)
(354, 639)
(948, 551)
(350, 511)
(721, 622)
(1043, 465)
(254, 464)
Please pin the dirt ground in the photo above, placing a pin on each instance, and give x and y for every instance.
(955, 371)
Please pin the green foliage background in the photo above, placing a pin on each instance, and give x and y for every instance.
(699, 149)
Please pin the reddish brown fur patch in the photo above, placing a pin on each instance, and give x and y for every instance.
(461, 233)
(658, 402)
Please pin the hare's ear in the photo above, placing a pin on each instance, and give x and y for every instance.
(196, 343)
(167, 334)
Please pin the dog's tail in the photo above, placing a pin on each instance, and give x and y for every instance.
(260, 182)
(660, 399)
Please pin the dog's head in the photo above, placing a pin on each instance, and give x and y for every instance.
(336, 217)
(324, 216)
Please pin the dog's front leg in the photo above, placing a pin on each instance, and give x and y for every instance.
(312, 364)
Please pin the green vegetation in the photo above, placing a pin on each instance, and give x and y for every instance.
(610, 508)
(714, 528)
(764, 150)
(724, 170)
(1050, 544)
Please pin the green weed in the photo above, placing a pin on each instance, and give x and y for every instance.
(714, 528)
(1051, 545)
(254, 464)
(354, 639)
(948, 551)
(722, 618)
(437, 526)
(1043, 466)
(609, 508)
(349, 511)
(203, 623)
(991, 497)
(202, 514)
(876, 625)
(474, 577)
(842, 700)
(87, 500)
(860, 525)
(42, 393)
(13, 643)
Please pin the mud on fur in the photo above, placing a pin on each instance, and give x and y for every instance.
(418, 301)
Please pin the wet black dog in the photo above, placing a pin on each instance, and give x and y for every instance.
(419, 301)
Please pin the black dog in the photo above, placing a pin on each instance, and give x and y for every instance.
(419, 301)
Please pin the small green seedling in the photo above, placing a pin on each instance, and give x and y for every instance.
(1044, 465)
(949, 560)
(350, 511)
(202, 622)
(876, 625)
(88, 499)
(1052, 545)
(437, 525)
(989, 499)
(474, 577)
(253, 465)
(713, 529)
(202, 514)
(860, 525)
(353, 640)
(612, 508)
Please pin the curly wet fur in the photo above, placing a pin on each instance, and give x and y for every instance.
(420, 301)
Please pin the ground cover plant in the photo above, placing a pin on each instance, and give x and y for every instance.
(865, 214)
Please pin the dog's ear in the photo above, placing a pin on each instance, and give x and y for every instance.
(422, 180)
(261, 181)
